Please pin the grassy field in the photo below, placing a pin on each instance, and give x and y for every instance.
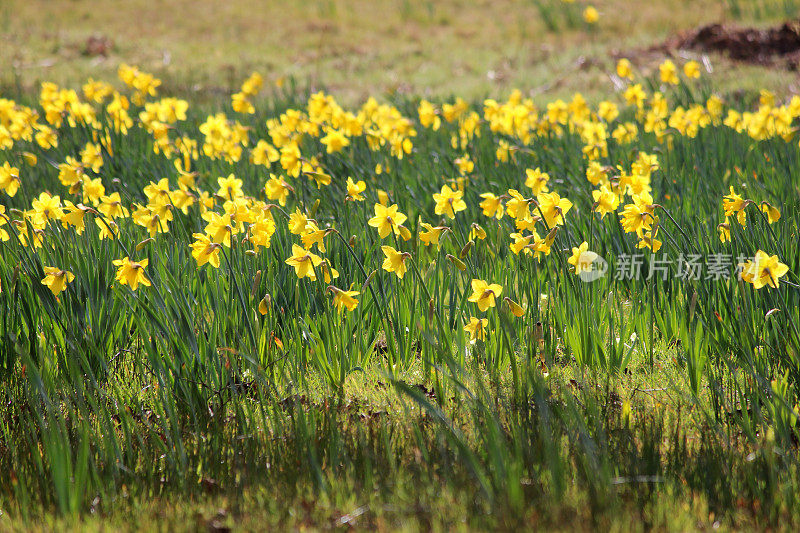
(229, 301)
(357, 48)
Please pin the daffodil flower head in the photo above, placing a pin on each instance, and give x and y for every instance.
(395, 261)
(386, 219)
(449, 202)
(484, 294)
(582, 258)
(344, 300)
(476, 329)
(131, 273)
(56, 279)
(763, 270)
(304, 262)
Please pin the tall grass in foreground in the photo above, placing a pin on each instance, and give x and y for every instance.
(504, 453)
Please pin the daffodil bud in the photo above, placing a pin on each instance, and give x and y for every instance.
(277, 342)
(30, 158)
(465, 250)
(457, 262)
(404, 232)
(256, 283)
(551, 237)
(141, 245)
(383, 198)
(516, 309)
(369, 278)
(314, 208)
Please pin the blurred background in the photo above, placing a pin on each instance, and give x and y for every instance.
(360, 48)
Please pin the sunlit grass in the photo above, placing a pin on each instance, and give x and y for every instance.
(276, 300)
(362, 48)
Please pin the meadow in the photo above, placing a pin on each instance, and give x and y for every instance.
(270, 308)
(358, 49)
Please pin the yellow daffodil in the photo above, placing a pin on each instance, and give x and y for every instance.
(131, 273)
(536, 180)
(590, 15)
(395, 261)
(517, 205)
(476, 232)
(431, 235)
(521, 242)
(111, 206)
(383, 196)
(108, 229)
(648, 240)
(624, 69)
(354, 189)
(773, 214)
(386, 219)
(464, 164)
(9, 179)
(476, 329)
(344, 299)
(4, 236)
(298, 222)
(691, 69)
(734, 204)
(92, 157)
(638, 216)
(668, 72)
(484, 294)
(220, 228)
(304, 262)
(230, 187)
(205, 251)
(553, 208)
(334, 141)
(93, 190)
(328, 272)
(605, 201)
(313, 235)
(449, 202)
(492, 205)
(56, 279)
(582, 258)
(276, 188)
(763, 270)
(724, 231)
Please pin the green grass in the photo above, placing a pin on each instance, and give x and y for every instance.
(619, 404)
(378, 460)
(357, 49)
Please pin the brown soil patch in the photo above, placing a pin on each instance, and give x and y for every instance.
(775, 46)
